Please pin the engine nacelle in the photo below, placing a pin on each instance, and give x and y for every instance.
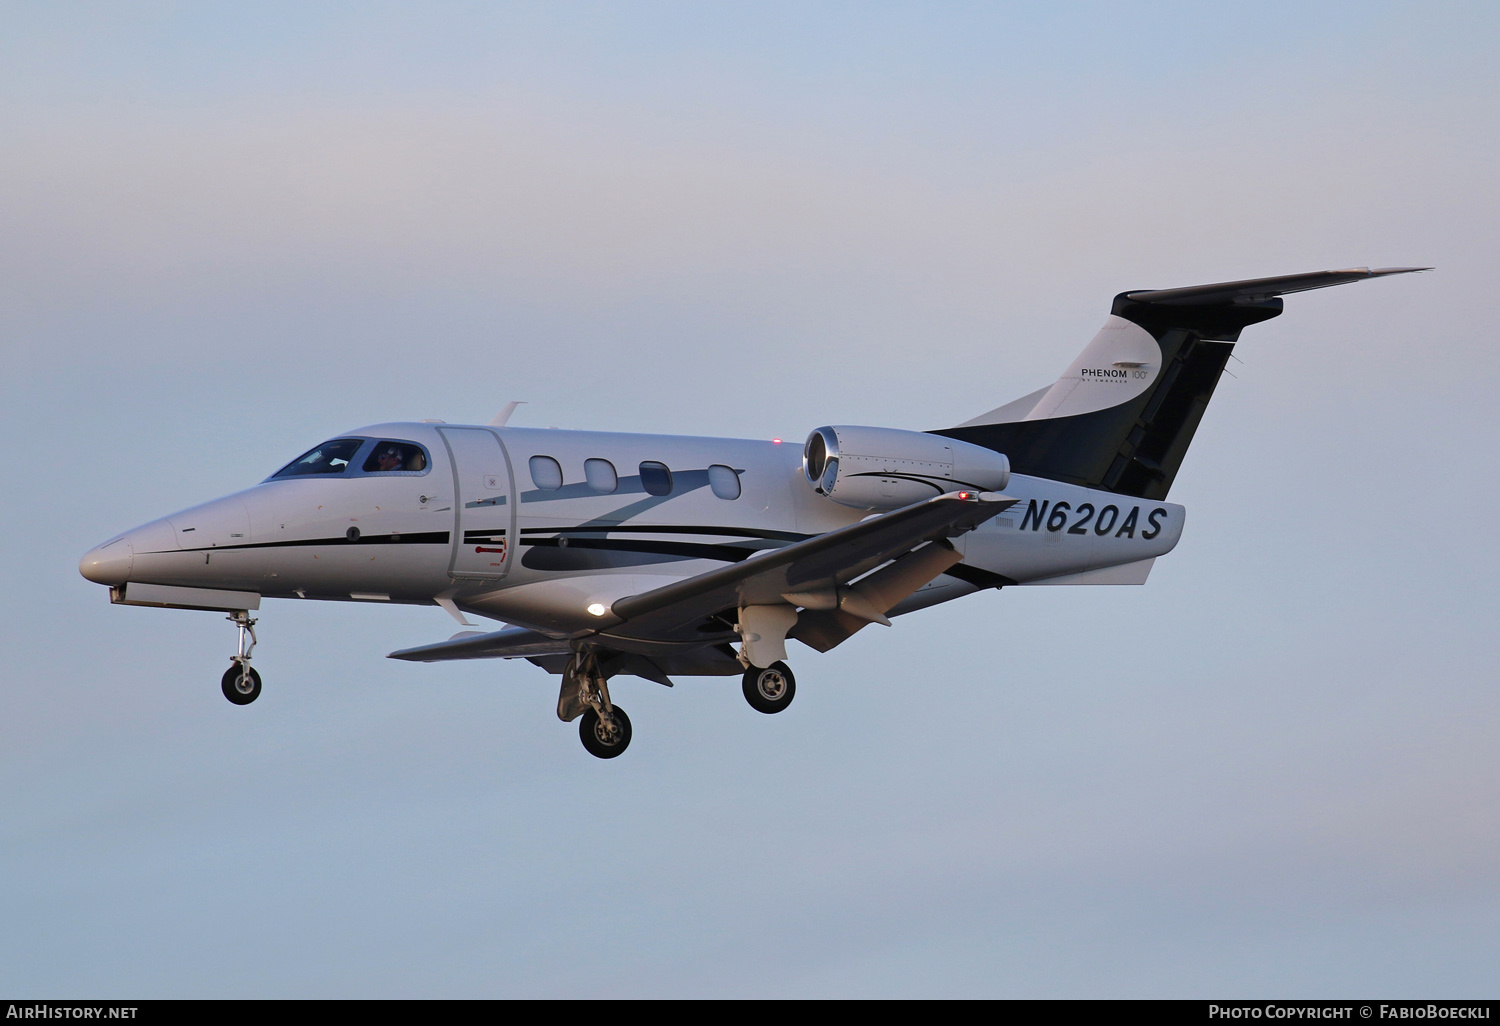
(886, 468)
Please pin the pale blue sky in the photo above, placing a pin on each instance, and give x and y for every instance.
(226, 234)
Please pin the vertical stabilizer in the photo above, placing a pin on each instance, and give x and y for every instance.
(1122, 416)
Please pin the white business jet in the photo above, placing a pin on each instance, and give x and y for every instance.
(659, 556)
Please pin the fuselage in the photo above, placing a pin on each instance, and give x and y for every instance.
(539, 527)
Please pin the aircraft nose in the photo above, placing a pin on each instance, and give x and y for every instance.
(108, 563)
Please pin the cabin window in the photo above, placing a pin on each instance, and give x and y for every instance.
(395, 457)
(656, 478)
(329, 458)
(546, 473)
(601, 475)
(724, 481)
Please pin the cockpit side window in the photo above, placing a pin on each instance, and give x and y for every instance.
(329, 458)
(395, 457)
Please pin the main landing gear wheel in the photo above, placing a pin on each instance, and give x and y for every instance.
(241, 684)
(605, 739)
(770, 690)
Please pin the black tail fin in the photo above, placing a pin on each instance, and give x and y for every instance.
(1122, 417)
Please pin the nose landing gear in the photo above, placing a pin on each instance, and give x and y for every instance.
(241, 684)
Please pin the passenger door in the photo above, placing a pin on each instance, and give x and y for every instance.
(484, 537)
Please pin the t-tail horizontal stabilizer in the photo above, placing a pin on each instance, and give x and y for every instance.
(1122, 416)
(1257, 290)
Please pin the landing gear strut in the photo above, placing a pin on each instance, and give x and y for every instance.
(605, 729)
(241, 684)
(770, 690)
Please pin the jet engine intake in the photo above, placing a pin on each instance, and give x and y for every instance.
(882, 469)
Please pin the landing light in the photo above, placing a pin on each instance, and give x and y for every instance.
(597, 608)
(776, 441)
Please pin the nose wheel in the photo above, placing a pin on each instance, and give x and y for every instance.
(241, 684)
(770, 690)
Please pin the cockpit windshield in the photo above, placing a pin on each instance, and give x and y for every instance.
(329, 458)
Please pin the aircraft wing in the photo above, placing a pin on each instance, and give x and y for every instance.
(797, 574)
(812, 567)
(508, 643)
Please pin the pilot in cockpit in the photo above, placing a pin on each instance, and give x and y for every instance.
(390, 457)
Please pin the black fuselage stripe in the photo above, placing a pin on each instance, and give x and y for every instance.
(424, 538)
(722, 553)
(729, 532)
(931, 482)
(576, 536)
(693, 550)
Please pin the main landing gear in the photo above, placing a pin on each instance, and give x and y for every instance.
(605, 735)
(241, 684)
(770, 690)
(604, 729)
(603, 726)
